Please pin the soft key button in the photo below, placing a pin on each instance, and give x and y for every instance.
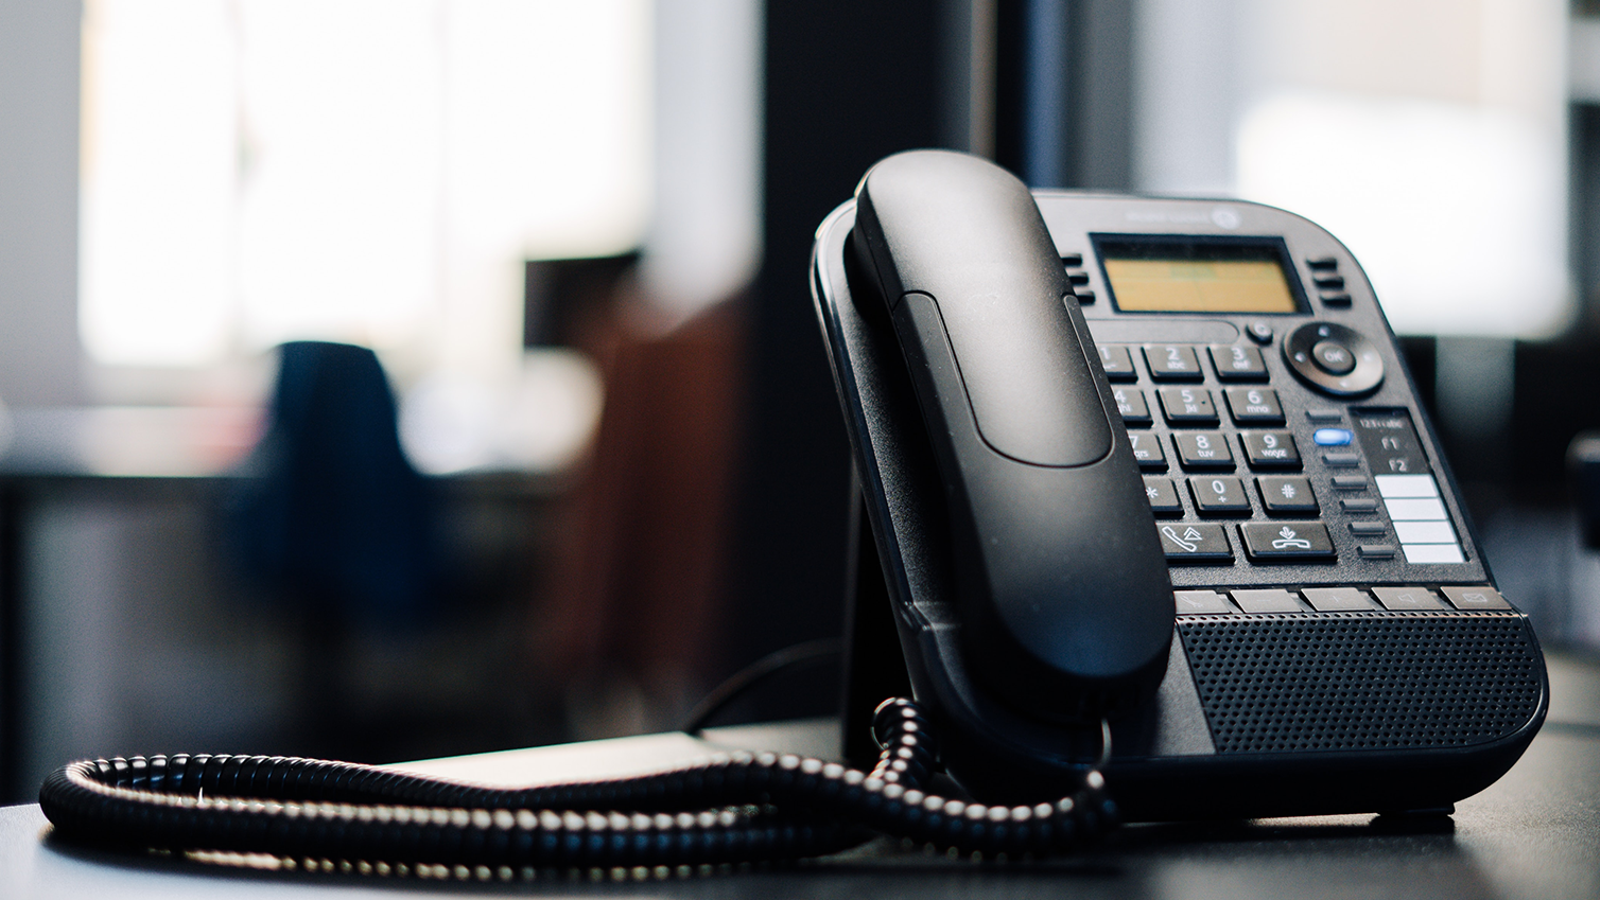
(1265, 601)
(1420, 520)
(1337, 599)
(1400, 599)
(1199, 603)
(1475, 598)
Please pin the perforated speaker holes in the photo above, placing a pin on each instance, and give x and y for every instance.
(1328, 682)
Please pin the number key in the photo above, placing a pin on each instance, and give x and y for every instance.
(1188, 406)
(1219, 496)
(1147, 450)
(1172, 362)
(1130, 402)
(1203, 451)
(1270, 449)
(1254, 406)
(1238, 362)
(1117, 363)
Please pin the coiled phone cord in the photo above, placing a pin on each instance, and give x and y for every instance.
(748, 806)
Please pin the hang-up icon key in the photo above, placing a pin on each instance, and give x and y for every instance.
(1289, 540)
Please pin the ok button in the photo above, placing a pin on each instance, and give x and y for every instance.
(1333, 357)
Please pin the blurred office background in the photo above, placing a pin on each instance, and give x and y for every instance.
(576, 236)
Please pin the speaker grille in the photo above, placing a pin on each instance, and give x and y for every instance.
(1338, 682)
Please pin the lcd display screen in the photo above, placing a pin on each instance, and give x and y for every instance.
(1197, 276)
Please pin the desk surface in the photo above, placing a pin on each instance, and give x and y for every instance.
(1533, 834)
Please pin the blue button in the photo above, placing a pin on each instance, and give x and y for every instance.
(1332, 437)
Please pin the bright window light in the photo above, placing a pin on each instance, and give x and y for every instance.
(368, 170)
(1455, 211)
(159, 181)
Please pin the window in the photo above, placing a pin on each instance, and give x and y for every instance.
(367, 170)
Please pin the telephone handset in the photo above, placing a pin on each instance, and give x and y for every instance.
(1048, 515)
(1155, 465)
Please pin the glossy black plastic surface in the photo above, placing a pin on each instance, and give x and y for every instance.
(1301, 712)
(1062, 583)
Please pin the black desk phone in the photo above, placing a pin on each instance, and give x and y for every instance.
(1155, 465)
(1141, 504)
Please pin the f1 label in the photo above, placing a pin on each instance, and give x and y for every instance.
(1389, 441)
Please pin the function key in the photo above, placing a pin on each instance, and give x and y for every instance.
(1260, 332)
(1475, 598)
(1188, 406)
(1342, 459)
(1195, 542)
(1274, 541)
(1404, 598)
(1163, 497)
(1072, 260)
(1077, 278)
(1339, 299)
(1287, 495)
(1172, 362)
(1368, 528)
(1147, 450)
(1350, 482)
(1084, 297)
(1358, 504)
(1132, 406)
(1337, 599)
(1266, 601)
(1117, 363)
(1328, 280)
(1203, 451)
(1200, 603)
(1375, 551)
(1323, 263)
(1254, 406)
(1238, 362)
(1324, 416)
(1270, 449)
(1219, 496)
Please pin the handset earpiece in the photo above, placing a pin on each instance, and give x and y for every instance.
(1062, 584)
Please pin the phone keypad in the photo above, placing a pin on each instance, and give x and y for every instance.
(1239, 455)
